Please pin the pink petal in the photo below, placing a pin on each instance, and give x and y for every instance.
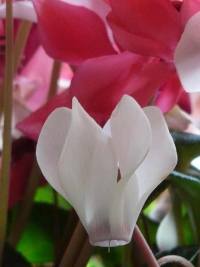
(71, 33)
(38, 70)
(187, 56)
(100, 7)
(148, 27)
(188, 9)
(32, 44)
(105, 80)
(184, 101)
(100, 83)
(169, 93)
(32, 125)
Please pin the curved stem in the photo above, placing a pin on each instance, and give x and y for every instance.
(175, 259)
(84, 255)
(74, 248)
(144, 247)
(6, 153)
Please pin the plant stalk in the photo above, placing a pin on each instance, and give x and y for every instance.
(175, 259)
(75, 246)
(6, 153)
(144, 247)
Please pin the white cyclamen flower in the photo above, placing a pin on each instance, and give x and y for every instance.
(81, 161)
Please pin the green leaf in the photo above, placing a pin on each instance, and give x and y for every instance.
(188, 185)
(38, 240)
(188, 148)
(111, 259)
(45, 194)
(95, 262)
(156, 192)
(188, 188)
(186, 139)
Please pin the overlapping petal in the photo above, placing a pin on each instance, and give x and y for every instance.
(100, 83)
(32, 125)
(169, 93)
(100, 7)
(88, 172)
(187, 55)
(128, 121)
(157, 165)
(71, 33)
(111, 77)
(188, 9)
(137, 28)
(50, 145)
(122, 212)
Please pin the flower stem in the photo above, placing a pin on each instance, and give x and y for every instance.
(6, 153)
(144, 247)
(74, 248)
(54, 79)
(84, 255)
(175, 259)
(20, 42)
(22, 36)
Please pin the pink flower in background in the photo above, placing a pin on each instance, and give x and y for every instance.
(154, 28)
(71, 33)
(98, 82)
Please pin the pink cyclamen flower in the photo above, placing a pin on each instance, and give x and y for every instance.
(83, 162)
(156, 28)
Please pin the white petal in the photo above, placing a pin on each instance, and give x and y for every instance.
(187, 55)
(50, 145)
(88, 173)
(123, 211)
(161, 158)
(107, 128)
(21, 10)
(167, 236)
(131, 134)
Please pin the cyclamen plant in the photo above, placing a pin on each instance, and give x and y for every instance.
(103, 143)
